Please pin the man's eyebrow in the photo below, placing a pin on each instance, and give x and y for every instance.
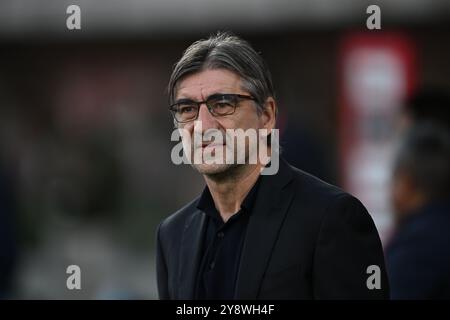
(184, 100)
(214, 95)
(217, 95)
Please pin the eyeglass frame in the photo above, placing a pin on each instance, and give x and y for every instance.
(199, 103)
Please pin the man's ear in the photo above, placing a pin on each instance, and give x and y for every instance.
(268, 115)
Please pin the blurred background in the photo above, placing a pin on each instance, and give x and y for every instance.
(85, 169)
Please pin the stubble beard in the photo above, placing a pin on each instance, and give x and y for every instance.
(222, 171)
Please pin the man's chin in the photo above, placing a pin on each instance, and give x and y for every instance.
(213, 169)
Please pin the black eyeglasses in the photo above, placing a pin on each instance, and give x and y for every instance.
(218, 105)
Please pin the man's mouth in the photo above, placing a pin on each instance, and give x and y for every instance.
(211, 145)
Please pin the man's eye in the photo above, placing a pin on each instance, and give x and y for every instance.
(222, 105)
(186, 109)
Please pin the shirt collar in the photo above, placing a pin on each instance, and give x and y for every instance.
(206, 202)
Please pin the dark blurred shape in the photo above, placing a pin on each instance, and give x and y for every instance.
(418, 255)
(430, 104)
(7, 234)
(302, 150)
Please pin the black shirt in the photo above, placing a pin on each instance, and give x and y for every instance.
(222, 246)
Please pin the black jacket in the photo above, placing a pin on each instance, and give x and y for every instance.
(306, 239)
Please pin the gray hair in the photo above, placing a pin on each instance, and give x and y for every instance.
(226, 51)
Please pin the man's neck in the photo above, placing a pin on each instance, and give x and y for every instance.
(228, 194)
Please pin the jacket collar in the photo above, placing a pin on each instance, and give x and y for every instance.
(269, 212)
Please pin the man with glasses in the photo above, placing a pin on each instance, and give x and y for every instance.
(251, 235)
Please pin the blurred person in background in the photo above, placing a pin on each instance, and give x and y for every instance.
(288, 235)
(430, 104)
(418, 254)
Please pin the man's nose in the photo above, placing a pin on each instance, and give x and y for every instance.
(206, 118)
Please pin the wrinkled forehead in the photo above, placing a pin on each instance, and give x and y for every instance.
(200, 85)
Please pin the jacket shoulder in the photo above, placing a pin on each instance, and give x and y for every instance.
(313, 185)
(322, 197)
(177, 220)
